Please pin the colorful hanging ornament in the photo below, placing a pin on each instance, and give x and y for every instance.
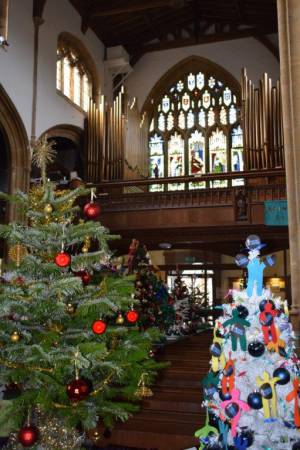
(48, 209)
(70, 309)
(283, 374)
(243, 311)
(256, 349)
(62, 259)
(268, 393)
(15, 337)
(228, 380)
(206, 431)
(17, 253)
(77, 390)
(234, 408)
(266, 318)
(237, 330)
(120, 319)
(294, 395)
(254, 400)
(132, 316)
(99, 327)
(86, 245)
(84, 275)
(143, 390)
(92, 210)
(28, 435)
(216, 350)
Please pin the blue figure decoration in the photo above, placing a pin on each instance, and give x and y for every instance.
(255, 265)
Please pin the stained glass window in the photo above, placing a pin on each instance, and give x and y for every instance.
(197, 125)
(218, 156)
(156, 169)
(237, 156)
(176, 159)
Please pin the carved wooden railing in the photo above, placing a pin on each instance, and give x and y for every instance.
(259, 187)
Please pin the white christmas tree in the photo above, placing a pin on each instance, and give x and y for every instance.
(252, 390)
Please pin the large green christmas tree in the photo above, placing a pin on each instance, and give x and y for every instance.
(65, 352)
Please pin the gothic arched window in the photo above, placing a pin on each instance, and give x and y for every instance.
(195, 129)
(75, 74)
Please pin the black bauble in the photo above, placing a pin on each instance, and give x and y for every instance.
(224, 397)
(247, 437)
(266, 391)
(254, 400)
(263, 304)
(243, 311)
(296, 446)
(231, 409)
(215, 349)
(256, 349)
(283, 374)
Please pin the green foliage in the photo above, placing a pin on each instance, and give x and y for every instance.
(34, 301)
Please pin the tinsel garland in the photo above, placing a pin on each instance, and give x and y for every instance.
(53, 435)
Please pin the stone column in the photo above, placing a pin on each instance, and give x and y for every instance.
(289, 46)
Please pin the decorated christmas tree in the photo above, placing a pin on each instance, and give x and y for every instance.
(71, 353)
(252, 390)
(156, 305)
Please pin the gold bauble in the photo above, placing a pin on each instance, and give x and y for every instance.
(15, 337)
(48, 209)
(120, 319)
(84, 249)
(70, 309)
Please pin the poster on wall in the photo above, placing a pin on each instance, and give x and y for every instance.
(276, 213)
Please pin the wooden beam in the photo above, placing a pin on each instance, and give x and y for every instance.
(133, 6)
(204, 39)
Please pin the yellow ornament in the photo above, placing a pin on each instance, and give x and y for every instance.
(143, 390)
(17, 253)
(70, 308)
(48, 209)
(120, 319)
(15, 337)
(84, 249)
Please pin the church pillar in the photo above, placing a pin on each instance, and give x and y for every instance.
(289, 46)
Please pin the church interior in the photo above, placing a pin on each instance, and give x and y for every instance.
(165, 132)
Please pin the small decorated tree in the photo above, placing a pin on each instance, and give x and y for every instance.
(156, 305)
(252, 390)
(70, 351)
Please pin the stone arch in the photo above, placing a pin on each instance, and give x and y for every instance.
(67, 131)
(69, 40)
(189, 64)
(17, 142)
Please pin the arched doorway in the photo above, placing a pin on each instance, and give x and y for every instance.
(14, 150)
(69, 160)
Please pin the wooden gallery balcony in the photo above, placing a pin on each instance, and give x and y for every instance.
(190, 217)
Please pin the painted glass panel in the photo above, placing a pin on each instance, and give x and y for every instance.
(237, 154)
(232, 114)
(223, 116)
(161, 122)
(206, 99)
(200, 80)
(67, 77)
(190, 119)
(156, 170)
(181, 120)
(191, 82)
(227, 96)
(77, 86)
(186, 102)
(211, 117)
(202, 117)
(165, 104)
(175, 160)
(217, 156)
(170, 121)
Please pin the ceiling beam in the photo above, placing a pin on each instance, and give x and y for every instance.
(134, 6)
(204, 39)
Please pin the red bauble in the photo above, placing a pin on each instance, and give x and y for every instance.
(28, 435)
(77, 390)
(99, 327)
(84, 275)
(62, 259)
(92, 211)
(132, 316)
